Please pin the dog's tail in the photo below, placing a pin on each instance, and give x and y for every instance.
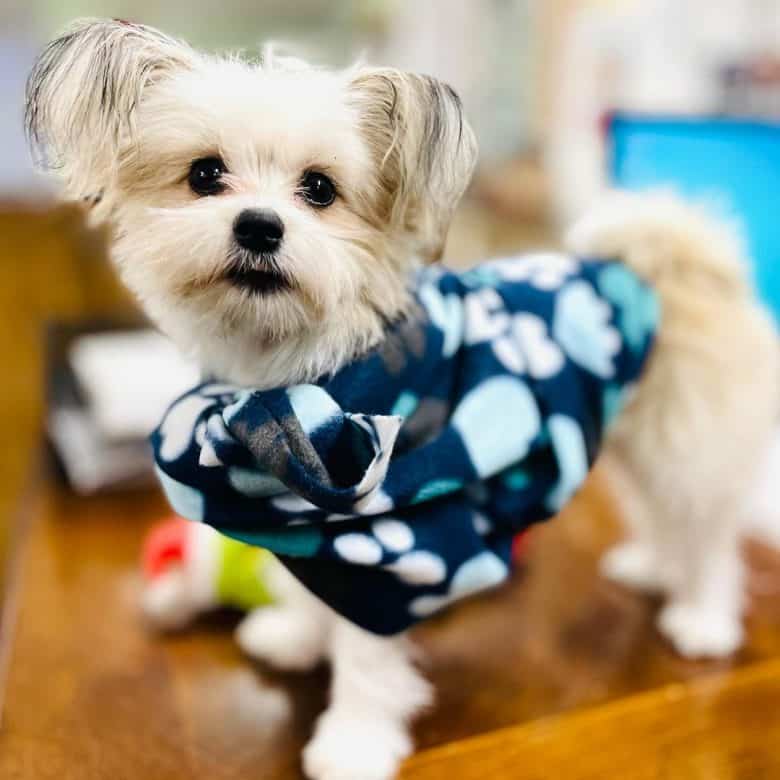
(667, 241)
(699, 269)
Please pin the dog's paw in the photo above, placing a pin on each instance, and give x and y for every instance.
(632, 564)
(347, 747)
(282, 637)
(698, 632)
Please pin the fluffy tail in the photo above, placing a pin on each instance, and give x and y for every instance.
(665, 240)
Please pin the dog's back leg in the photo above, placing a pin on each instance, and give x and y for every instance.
(637, 561)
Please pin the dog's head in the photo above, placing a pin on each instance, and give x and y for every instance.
(255, 205)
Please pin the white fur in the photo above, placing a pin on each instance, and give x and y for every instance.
(686, 453)
(292, 634)
(375, 692)
(124, 111)
(764, 511)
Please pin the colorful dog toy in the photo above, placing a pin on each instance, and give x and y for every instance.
(189, 569)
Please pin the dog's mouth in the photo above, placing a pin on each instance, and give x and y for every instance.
(259, 281)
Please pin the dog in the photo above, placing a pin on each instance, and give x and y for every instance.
(269, 217)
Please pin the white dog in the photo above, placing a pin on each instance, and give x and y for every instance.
(344, 183)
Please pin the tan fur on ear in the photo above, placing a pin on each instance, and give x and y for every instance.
(424, 148)
(82, 95)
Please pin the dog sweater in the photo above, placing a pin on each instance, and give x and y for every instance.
(396, 485)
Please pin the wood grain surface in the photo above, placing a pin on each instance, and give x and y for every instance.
(723, 727)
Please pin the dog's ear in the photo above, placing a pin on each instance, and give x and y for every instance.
(423, 147)
(83, 93)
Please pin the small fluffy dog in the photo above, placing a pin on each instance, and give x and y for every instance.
(342, 183)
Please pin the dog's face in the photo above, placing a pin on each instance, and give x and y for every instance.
(257, 207)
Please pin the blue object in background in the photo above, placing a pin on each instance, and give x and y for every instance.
(732, 165)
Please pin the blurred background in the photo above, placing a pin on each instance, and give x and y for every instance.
(566, 96)
(537, 76)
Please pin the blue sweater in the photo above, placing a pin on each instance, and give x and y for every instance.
(396, 485)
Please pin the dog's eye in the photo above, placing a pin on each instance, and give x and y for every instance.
(205, 176)
(318, 189)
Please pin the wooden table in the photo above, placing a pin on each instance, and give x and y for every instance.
(559, 675)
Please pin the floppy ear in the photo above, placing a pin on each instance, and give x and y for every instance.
(423, 146)
(82, 96)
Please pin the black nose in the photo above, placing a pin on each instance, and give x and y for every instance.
(259, 230)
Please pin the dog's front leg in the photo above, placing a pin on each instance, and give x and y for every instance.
(292, 634)
(375, 692)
